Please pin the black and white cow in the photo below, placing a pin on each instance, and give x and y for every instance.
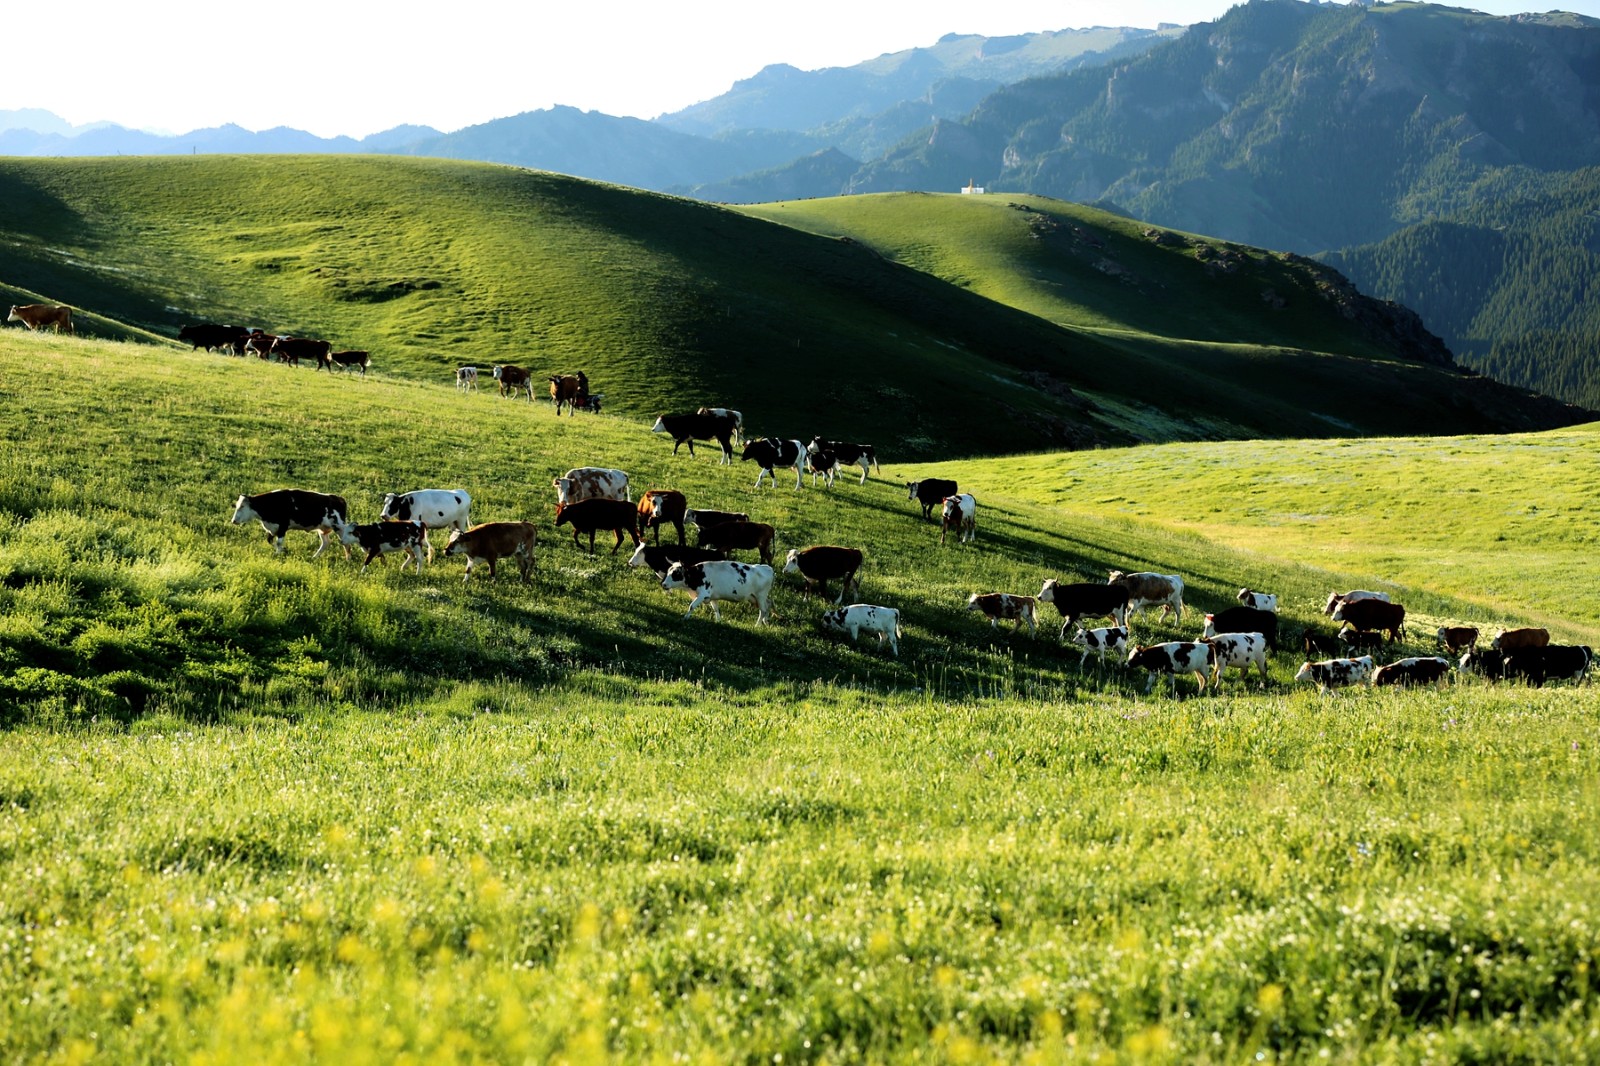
(1173, 658)
(1261, 601)
(869, 618)
(381, 538)
(701, 425)
(1099, 641)
(1337, 673)
(438, 508)
(281, 510)
(822, 464)
(1242, 650)
(660, 558)
(849, 455)
(724, 580)
(771, 452)
(1417, 670)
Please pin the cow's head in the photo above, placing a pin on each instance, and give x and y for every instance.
(240, 507)
(792, 561)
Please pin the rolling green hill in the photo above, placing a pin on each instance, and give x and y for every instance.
(670, 304)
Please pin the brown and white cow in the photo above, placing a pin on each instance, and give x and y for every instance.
(1000, 607)
(38, 316)
(571, 390)
(1146, 589)
(591, 483)
(1457, 639)
(960, 512)
(514, 379)
(489, 542)
(346, 360)
(662, 505)
(1336, 673)
(1173, 658)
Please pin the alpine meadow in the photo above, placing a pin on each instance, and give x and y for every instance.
(264, 807)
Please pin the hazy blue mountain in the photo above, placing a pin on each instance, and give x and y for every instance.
(38, 133)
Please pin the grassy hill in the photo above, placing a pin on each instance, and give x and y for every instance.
(670, 304)
(313, 813)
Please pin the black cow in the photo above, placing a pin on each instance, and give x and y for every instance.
(1244, 620)
(589, 516)
(1551, 662)
(686, 429)
(931, 493)
(1085, 599)
(210, 336)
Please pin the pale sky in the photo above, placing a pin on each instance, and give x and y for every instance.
(356, 66)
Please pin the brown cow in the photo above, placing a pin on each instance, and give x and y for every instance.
(1372, 614)
(491, 541)
(38, 316)
(1510, 640)
(514, 379)
(569, 389)
(736, 536)
(1005, 607)
(1457, 639)
(293, 349)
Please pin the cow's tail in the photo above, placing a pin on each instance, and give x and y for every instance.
(898, 633)
(873, 455)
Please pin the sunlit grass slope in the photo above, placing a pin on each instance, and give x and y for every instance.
(123, 587)
(1209, 335)
(669, 304)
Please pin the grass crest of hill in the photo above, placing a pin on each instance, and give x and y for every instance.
(1021, 326)
(124, 590)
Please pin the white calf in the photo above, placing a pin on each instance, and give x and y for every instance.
(1243, 650)
(884, 621)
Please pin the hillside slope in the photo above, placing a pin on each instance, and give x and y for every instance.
(668, 303)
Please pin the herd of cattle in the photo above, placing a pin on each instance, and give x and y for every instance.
(238, 340)
(596, 500)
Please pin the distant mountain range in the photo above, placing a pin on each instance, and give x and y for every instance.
(1441, 158)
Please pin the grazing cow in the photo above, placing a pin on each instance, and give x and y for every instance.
(1324, 644)
(1146, 589)
(1243, 650)
(1261, 601)
(1084, 599)
(594, 514)
(1244, 620)
(38, 316)
(1112, 638)
(438, 508)
(293, 349)
(930, 492)
(1510, 640)
(1336, 673)
(281, 510)
(703, 519)
(591, 483)
(960, 511)
(467, 378)
(1456, 639)
(1417, 670)
(1173, 658)
(849, 454)
(380, 538)
(824, 464)
(345, 360)
(770, 452)
(1372, 614)
(1551, 662)
(884, 621)
(728, 412)
(661, 558)
(740, 536)
(686, 429)
(1000, 607)
(490, 542)
(1485, 662)
(212, 336)
(662, 505)
(569, 389)
(1357, 639)
(723, 580)
(821, 563)
(514, 379)
(1336, 598)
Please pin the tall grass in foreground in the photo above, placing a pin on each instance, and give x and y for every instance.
(592, 874)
